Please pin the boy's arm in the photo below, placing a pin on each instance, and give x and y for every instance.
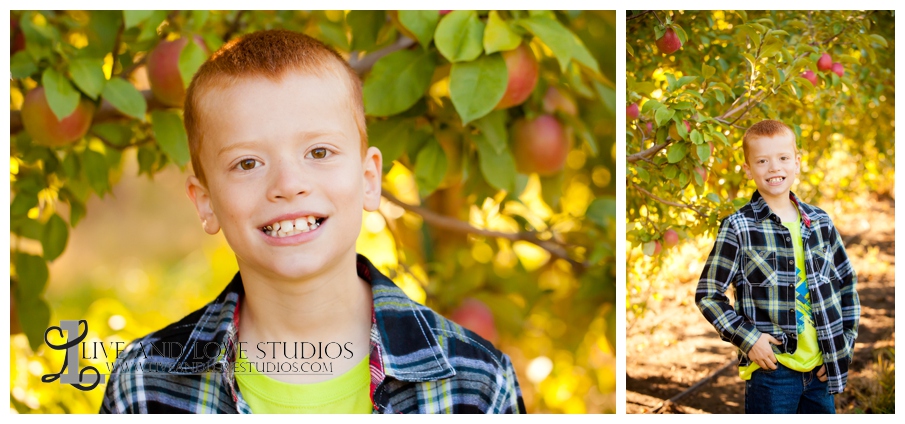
(512, 402)
(719, 272)
(851, 304)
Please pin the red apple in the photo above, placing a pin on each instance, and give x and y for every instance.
(669, 43)
(18, 42)
(163, 71)
(825, 63)
(648, 129)
(523, 70)
(838, 69)
(631, 111)
(476, 316)
(702, 172)
(810, 76)
(557, 101)
(674, 132)
(540, 145)
(670, 238)
(43, 126)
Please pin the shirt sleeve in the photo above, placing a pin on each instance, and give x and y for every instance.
(512, 402)
(720, 270)
(850, 303)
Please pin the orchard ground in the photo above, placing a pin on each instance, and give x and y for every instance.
(672, 346)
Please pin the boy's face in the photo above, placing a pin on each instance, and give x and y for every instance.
(276, 153)
(773, 164)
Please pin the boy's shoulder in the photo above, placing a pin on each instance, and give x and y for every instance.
(757, 209)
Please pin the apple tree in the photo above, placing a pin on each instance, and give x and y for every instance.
(697, 80)
(496, 128)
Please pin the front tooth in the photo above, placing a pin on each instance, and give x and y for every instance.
(301, 224)
(286, 225)
(311, 220)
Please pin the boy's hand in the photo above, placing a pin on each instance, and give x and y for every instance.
(821, 373)
(762, 354)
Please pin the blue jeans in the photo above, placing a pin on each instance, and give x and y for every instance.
(786, 391)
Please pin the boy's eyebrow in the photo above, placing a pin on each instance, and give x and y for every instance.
(304, 135)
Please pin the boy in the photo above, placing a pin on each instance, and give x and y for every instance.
(279, 150)
(796, 309)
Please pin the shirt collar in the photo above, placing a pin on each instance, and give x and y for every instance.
(405, 345)
(762, 211)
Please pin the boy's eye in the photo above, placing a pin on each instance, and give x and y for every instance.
(319, 153)
(247, 164)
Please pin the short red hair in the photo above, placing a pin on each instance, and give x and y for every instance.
(765, 128)
(269, 54)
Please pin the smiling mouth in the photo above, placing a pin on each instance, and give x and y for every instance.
(292, 227)
(776, 180)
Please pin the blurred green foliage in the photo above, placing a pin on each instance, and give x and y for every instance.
(431, 82)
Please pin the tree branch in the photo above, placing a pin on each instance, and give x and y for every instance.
(234, 26)
(644, 154)
(667, 202)
(658, 17)
(452, 224)
(638, 15)
(363, 64)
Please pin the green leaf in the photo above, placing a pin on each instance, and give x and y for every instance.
(34, 318)
(629, 49)
(88, 75)
(671, 171)
(95, 167)
(21, 65)
(677, 152)
(170, 135)
(125, 98)
(683, 38)
(430, 167)
(32, 273)
(581, 55)
(76, 211)
(557, 37)
(476, 87)
(365, 25)
(650, 105)
(499, 36)
(391, 137)
(707, 71)
(649, 248)
(134, 18)
(698, 179)
(602, 211)
(696, 137)
(459, 36)
(333, 33)
(607, 96)
(147, 156)
(683, 105)
(684, 81)
(876, 38)
(422, 23)
(115, 133)
(23, 203)
(61, 95)
(493, 126)
(703, 151)
(498, 168)
(643, 175)
(664, 114)
(191, 58)
(56, 234)
(397, 81)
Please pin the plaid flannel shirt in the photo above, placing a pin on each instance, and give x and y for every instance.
(754, 253)
(420, 362)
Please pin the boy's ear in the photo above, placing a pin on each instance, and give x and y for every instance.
(200, 196)
(747, 169)
(373, 173)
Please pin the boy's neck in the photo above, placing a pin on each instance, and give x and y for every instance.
(333, 306)
(782, 206)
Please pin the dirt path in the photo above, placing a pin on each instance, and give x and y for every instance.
(673, 347)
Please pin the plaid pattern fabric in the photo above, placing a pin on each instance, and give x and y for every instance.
(753, 253)
(420, 362)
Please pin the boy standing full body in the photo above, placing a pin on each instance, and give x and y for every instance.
(282, 166)
(796, 311)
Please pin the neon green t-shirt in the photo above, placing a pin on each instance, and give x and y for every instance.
(808, 355)
(348, 393)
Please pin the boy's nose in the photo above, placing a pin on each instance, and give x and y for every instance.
(288, 180)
